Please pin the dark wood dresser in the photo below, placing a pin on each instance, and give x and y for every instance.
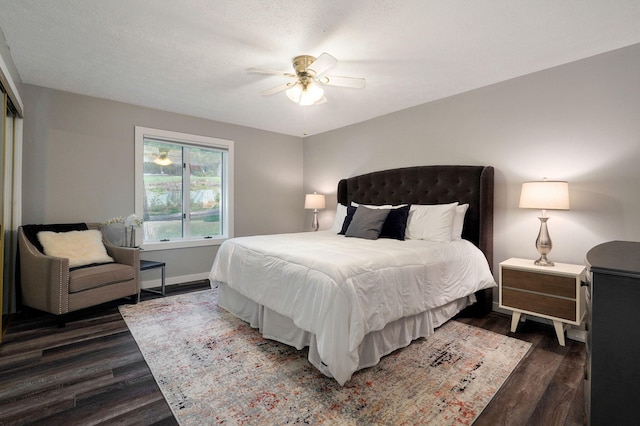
(612, 369)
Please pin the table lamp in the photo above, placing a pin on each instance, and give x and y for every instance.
(314, 201)
(544, 195)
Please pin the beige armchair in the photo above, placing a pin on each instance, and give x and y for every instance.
(48, 284)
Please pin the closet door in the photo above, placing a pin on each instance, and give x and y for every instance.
(3, 135)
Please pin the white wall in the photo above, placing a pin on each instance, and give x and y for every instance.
(578, 122)
(79, 166)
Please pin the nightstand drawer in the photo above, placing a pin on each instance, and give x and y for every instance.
(554, 285)
(539, 303)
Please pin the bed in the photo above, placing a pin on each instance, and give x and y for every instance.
(352, 301)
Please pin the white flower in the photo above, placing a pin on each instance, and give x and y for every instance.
(118, 219)
(133, 221)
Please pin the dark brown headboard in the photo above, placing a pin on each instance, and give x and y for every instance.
(432, 185)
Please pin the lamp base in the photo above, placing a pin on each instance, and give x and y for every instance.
(543, 261)
(543, 244)
(315, 225)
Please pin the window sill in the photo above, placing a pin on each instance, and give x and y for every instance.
(169, 245)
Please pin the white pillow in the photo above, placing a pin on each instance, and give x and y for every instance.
(385, 206)
(80, 247)
(430, 222)
(341, 213)
(458, 222)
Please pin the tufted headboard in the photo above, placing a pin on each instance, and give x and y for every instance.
(432, 185)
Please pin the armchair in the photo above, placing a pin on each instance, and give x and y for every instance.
(48, 284)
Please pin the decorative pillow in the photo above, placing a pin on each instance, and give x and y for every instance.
(80, 247)
(350, 210)
(431, 222)
(338, 221)
(384, 206)
(31, 231)
(367, 223)
(347, 219)
(458, 222)
(396, 223)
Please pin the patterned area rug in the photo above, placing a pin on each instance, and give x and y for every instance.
(214, 369)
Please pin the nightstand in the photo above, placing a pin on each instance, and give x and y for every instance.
(552, 292)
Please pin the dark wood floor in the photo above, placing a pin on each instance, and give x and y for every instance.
(91, 372)
(547, 387)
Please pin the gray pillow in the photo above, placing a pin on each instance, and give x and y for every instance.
(367, 223)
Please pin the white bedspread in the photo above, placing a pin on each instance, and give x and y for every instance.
(342, 288)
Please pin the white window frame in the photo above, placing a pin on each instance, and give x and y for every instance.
(227, 183)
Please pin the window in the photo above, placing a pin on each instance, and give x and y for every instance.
(184, 188)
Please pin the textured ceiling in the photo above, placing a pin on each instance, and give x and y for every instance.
(191, 56)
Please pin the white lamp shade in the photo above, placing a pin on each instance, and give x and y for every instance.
(305, 96)
(545, 195)
(163, 161)
(294, 92)
(314, 201)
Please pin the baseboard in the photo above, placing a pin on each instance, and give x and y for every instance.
(574, 332)
(172, 280)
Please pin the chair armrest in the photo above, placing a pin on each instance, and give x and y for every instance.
(123, 255)
(44, 280)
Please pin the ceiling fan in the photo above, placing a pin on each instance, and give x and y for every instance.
(306, 88)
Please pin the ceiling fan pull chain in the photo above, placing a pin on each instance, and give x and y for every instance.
(304, 122)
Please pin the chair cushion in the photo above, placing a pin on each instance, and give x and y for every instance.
(98, 276)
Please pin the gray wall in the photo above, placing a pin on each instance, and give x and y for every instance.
(578, 122)
(78, 166)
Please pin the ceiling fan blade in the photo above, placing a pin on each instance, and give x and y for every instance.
(323, 64)
(333, 80)
(268, 71)
(277, 89)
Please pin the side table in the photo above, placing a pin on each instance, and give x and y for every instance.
(552, 292)
(145, 265)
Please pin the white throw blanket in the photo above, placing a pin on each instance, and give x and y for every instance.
(342, 288)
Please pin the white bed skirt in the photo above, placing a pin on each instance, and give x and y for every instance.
(375, 345)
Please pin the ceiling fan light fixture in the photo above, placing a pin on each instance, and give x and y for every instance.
(309, 79)
(294, 92)
(305, 94)
(163, 159)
